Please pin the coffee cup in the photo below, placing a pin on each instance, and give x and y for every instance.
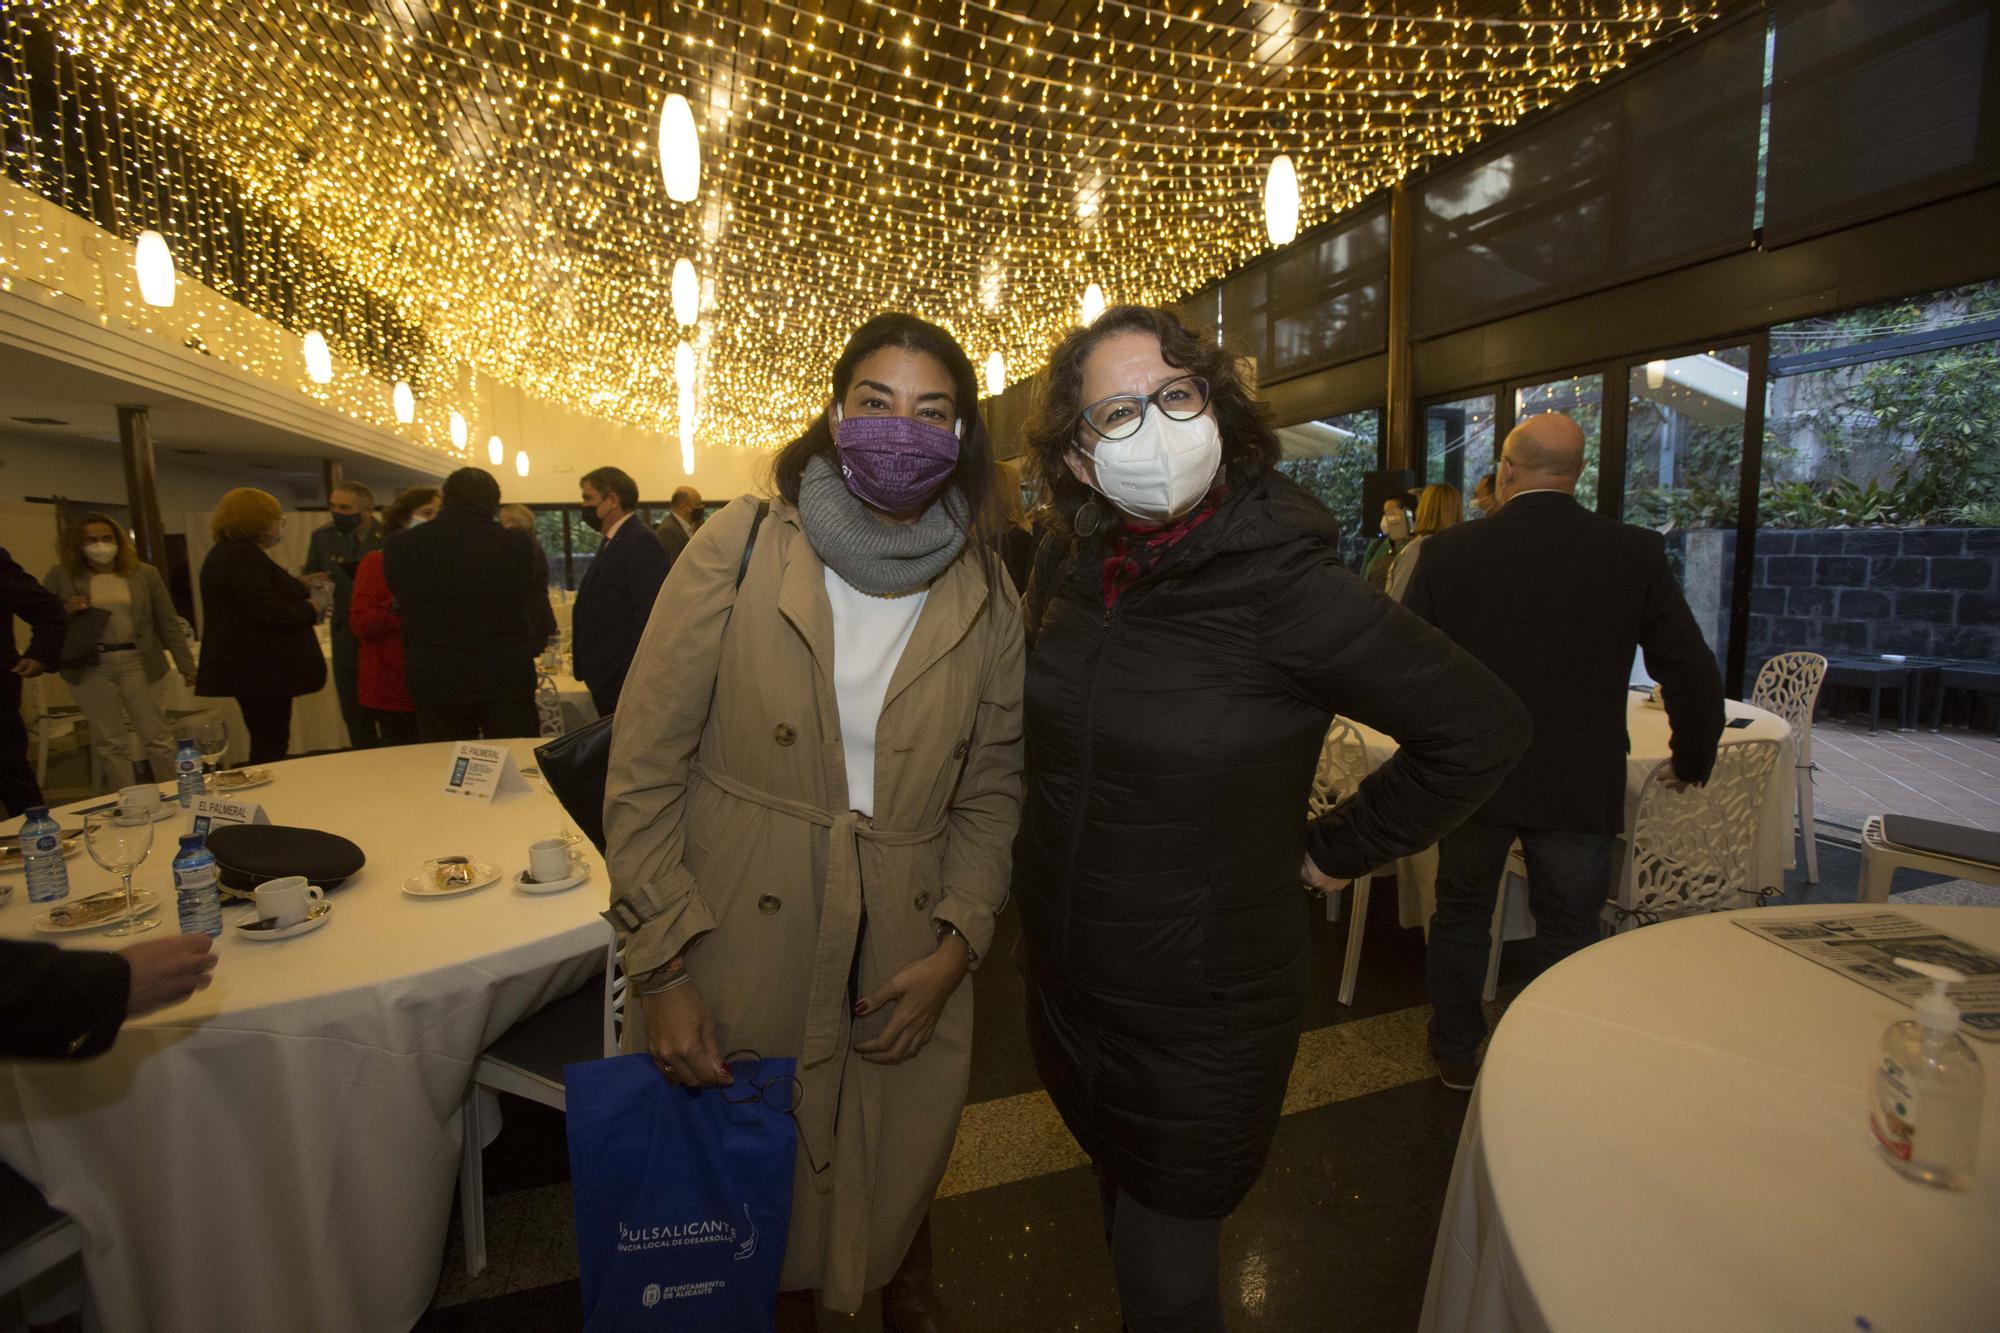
(287, 901)
(142, 799)
(548, 860)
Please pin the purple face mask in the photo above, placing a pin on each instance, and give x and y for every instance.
(895, 463)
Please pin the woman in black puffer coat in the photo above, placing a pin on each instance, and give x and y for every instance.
(1194, 632)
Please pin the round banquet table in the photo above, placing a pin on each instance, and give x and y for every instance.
(1648, 733)
(1671, 1132)
(279, 1151)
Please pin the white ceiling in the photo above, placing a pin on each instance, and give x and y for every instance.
(86, 404)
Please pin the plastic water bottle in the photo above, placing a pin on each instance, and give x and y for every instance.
(195, 890)
(41, 853)
(187, 772)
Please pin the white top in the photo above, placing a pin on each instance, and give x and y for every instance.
(869, 635)
(110, 592)
(611, 528)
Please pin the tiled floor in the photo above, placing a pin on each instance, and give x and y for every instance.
(1336, 1235)
(1952, 775)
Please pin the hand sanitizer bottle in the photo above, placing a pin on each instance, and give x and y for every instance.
(1928, 1090)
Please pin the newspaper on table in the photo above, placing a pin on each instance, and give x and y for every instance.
(1865, 949)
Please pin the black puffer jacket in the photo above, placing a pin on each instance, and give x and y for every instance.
(1171, 745)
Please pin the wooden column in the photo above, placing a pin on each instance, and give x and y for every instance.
(1399, 417)
(142, 489)
(332, 474)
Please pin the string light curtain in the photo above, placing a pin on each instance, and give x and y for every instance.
(491, 168)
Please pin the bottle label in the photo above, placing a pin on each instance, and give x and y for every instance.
(45, 843)
(1894, 1118)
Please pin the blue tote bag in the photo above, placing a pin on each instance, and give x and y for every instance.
(681, 1196)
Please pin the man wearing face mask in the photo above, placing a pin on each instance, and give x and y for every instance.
(332, 555)
(617, 594)
(1194, 632)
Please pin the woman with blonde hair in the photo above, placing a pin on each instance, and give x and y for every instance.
(1438, 508)
(119, 693)
(258, 646)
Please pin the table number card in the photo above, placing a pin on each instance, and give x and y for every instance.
(482, 772)
(211, 812)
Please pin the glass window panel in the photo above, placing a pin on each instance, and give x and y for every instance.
(1581, 399)
(1683, 465)
(1458, 443)
(1329, 457)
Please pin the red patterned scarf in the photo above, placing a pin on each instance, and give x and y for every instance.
(1136, 548)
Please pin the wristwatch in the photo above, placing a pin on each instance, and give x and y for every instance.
(945, 928)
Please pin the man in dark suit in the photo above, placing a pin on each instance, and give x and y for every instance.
(683, 517)
(1554, 599)
(467, 589)
(64, 1003)
(21, 595)
(616, 596)
(332, 552)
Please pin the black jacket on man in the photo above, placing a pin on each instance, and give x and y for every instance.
(673, 537)
(1171, 743)
(1554, 599)
(57, 1003)
(613, 603)
(467, 589)
(21, 595)
(257, 634)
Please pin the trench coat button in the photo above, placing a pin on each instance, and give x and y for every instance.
(769, 904)
(923, 900)
(958, 750)
(784, 735)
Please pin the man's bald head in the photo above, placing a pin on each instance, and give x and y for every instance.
(1544, 452)
(685, 501)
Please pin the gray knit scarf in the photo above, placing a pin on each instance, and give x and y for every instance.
(878, 557)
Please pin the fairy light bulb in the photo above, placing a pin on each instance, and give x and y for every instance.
(1281, 201)
(496, 450)
(680, 151)
(319, 358)
(1091, 306)
(154, 264)
(405, 403)
(460, 433)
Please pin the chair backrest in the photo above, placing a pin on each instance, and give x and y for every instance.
(1789, 686)
(614, 997)
(1343, 763)
(548, 706)
(1693, 851)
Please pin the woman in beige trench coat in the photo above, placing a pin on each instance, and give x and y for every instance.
(776, 890)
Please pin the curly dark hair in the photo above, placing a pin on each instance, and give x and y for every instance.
(974, 474)
(1249, 445)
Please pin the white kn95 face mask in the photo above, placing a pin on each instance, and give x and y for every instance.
(1161, 470)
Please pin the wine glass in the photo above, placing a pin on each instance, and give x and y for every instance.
(119, 840)
(211, 737)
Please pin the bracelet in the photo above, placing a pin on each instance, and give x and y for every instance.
(945, 928)
(681, 977)
(675, 966)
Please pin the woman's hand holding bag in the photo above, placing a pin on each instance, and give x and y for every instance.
(681, 1036)
(920, 991)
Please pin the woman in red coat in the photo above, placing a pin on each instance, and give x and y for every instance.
(371, 614)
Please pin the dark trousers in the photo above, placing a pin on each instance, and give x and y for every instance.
(396, 728)
(487, 719)
(1168, 1269)
(364, 731)
(270, 724)
(18, 787)
(1569, 877)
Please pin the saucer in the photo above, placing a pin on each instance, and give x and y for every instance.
(253, 928)
(522, 884)
(421, 886)
(246, 779)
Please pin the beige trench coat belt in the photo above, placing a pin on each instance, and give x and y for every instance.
(840, 910)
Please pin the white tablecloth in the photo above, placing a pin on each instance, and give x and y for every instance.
(574, 696)
(1649, 733)
(1670, 1132)
(279, 1151)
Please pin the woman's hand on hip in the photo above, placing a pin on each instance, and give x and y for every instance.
(681, 1037)
(1315, 880)
(920, 992)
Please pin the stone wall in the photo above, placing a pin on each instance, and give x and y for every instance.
(1931, 592)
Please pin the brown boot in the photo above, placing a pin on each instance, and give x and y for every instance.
(908, 1303)
(795, 1313)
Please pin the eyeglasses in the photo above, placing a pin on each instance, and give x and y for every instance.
(1118, 417)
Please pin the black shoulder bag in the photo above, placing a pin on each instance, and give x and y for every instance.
(575, 764)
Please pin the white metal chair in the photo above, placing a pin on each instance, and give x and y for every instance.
(33, 1236)
(548, 706)
(1789, 686)
(48, 723)
(1343, 763)
(527, 1060)
(1881, 859)
(1694, 850)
